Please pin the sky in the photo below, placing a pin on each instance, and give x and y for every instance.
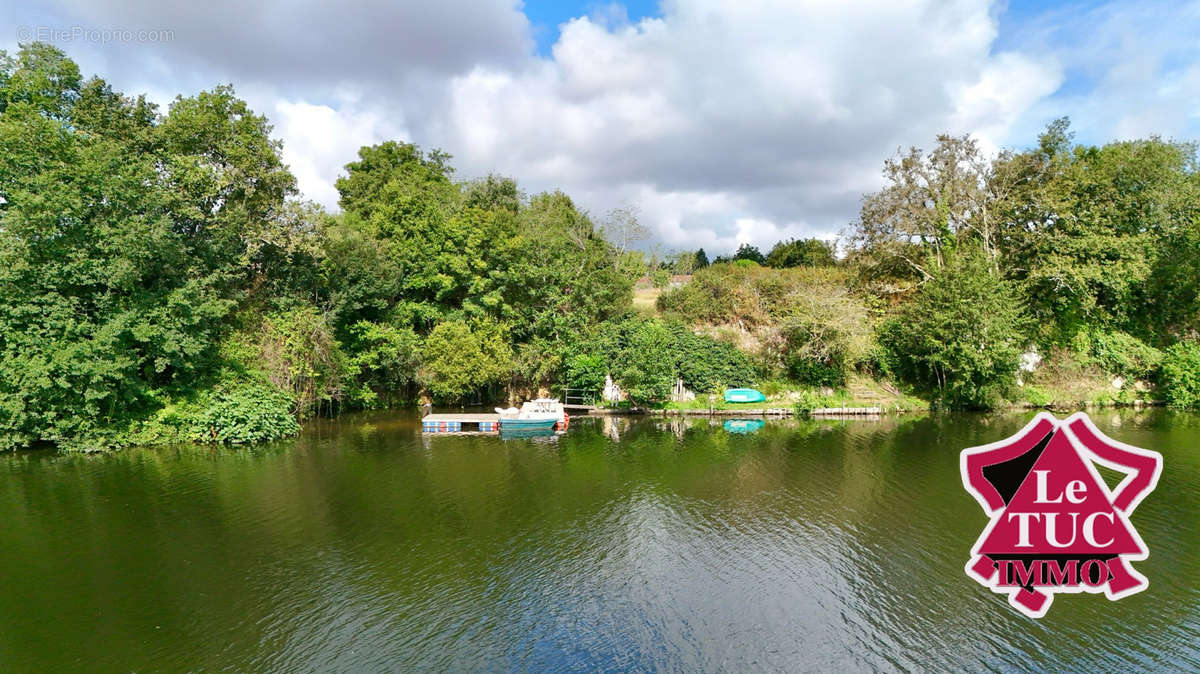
(721, 123)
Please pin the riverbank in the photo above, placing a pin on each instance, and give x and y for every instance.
(866, 396)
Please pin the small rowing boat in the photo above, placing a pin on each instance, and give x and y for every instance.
(744, 395)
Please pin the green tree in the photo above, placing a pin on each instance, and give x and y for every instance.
(751, 253)
(1171, 310)
(588, 372)
(384, 360)
(933, 203)
(391, 170)
(645, 366)
(125, 245)
(557, 274)
(458, 359)
(802, 253)
(961, 339)
(41, 77)
(225, 180)
(1082, 228)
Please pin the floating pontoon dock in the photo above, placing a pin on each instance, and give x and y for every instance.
(460, 423)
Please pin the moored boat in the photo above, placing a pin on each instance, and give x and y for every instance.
(532, 424)
(535, 414)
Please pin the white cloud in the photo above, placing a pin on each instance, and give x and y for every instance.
(784, 110)
(320, 140)
(723, 122)
(1009, 85)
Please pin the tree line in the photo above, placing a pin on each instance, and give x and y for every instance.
(163, 280)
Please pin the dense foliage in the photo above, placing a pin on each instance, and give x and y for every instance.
(650, 356)
(1181, 374)
(161, 281)
(961, 338)
(805, 322)
(123, 247)
(1091, 244)
(802, 253)
(144, 254)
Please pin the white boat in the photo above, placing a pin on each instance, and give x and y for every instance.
(539, 413)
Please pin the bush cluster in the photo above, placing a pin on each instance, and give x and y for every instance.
(1181, 375)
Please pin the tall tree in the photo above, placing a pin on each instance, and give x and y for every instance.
(623, 230)
(932, 204)
(961, 338)
(1081, 227)
(751, 253)
(124, 244)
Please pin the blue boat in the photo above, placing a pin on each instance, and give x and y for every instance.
(518, 424)
(744, 395)
(543, 414)
(743, 426)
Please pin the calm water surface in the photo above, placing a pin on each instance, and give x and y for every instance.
(625, 544)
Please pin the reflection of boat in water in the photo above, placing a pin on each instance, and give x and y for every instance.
(743, 426)
(543, 414)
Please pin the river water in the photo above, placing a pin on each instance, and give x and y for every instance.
(626, 544)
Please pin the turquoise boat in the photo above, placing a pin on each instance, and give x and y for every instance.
(744, 395)
(743, 426)
(526, 424)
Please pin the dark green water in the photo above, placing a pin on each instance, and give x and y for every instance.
(820, 546)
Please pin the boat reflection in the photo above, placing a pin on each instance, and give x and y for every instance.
(743, 426)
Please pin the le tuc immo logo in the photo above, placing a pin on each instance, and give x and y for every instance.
(1056, 526)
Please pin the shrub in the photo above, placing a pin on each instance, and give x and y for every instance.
(804, 321)
(384, 359)
(538, 362)
(1037, 397)
(244, 412)
(299, 354)
(706, 364)
(1117, 353)
(960, 340)
(647, 356)
(646, 366)
(1180, 375)
(811, 372)
(806, 403)
(824, 336)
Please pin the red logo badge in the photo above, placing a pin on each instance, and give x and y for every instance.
(1055, 524)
